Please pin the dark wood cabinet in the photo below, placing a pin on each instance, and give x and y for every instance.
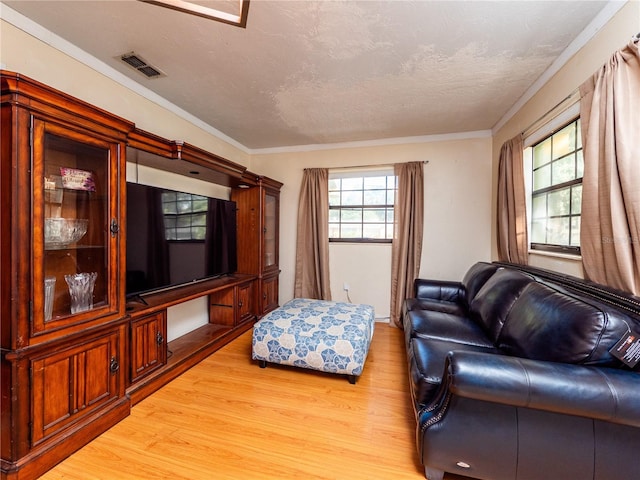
(63, 329)
(75, 354)
(258, 238)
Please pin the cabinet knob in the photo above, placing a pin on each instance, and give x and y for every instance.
(240, 304)
(114, 366)
(264, 296)
(114, 228)
(159, 338)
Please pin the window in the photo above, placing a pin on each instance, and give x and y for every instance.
(361, 206)
(556, 190)
(185, 216)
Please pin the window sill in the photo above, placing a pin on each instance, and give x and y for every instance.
(565, 256)
(358, 242)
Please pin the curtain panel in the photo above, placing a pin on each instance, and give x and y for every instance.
(513, 243)
(312, 244)
(407, 238)
(610, 225)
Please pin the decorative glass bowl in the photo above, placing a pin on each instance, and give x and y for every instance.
(62, 232)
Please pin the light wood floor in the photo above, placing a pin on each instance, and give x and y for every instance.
(226, 418)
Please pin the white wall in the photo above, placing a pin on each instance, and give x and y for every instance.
(611, 37)
(457, 229)
(366, 268)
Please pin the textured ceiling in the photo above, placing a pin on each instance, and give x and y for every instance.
(317, 72)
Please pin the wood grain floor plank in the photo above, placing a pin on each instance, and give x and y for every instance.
(226, 418)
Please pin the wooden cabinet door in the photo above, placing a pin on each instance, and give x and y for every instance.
(245, 302)
(269, 294)
(148, 344)
(76, 221)
(75, 382)
(270, 227)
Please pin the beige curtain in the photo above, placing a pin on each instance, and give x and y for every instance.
(407, 238)
(513, 244)
(610, 226)
(312, 245)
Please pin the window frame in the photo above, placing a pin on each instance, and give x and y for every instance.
(564, 119)
(364, 172)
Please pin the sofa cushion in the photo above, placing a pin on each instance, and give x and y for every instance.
(475, 278)
(445, 326)
(495, 299)
(411, 304)
(426, 359)
(438, 290)
(553, 325)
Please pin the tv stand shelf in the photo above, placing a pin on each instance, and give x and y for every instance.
(166, 361)
(175, 295)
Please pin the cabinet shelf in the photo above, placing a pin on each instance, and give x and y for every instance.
(194, 342)
(74, 247)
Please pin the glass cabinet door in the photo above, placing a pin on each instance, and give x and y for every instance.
(75, 184)
(270, 230)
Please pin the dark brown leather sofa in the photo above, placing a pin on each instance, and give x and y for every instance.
(512, 378)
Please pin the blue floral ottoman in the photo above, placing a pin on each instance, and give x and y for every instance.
(316, 334)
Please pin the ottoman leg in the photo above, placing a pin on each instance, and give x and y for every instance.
(262, 363)
(352, 379)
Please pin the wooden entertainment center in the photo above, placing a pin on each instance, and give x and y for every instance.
(76, 355)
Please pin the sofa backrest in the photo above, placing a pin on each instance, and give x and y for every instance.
(490, 307)
(553, 323)
(475, 278)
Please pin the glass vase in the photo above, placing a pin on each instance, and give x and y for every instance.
(81, 291)
(49, 291)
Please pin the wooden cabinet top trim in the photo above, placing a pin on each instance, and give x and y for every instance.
(41, 99)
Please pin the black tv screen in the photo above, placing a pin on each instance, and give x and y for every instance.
(175, 238)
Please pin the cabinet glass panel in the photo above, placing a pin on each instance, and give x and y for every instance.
(270, 233)
(75, 188)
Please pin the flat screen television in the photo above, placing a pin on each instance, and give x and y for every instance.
(174, 238)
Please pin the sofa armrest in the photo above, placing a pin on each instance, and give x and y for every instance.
(594, 392)
(437, 290)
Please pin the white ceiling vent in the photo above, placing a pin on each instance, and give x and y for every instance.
(136, 61)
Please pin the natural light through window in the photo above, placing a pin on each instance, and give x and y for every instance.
(556, 190)
(361, 206)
